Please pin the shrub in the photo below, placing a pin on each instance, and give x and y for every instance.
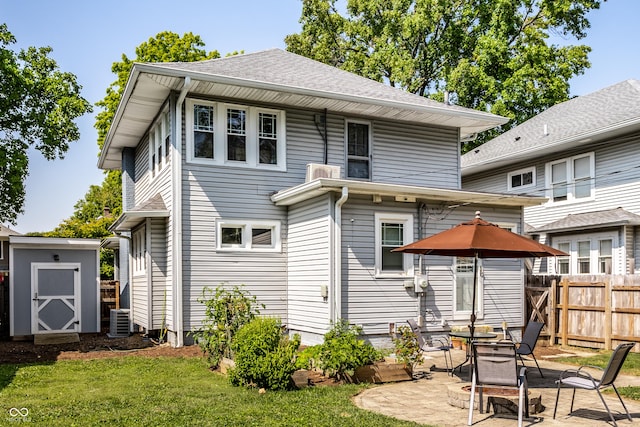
(226, 311)
(407, 348)
(308, 357)
(264, 357)
(342, 351)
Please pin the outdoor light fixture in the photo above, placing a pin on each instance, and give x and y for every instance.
(56, 257)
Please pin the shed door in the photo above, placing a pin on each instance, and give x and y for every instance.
(56, 297)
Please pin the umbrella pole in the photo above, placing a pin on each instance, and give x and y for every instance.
(473, 299)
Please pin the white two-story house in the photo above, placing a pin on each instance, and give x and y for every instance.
(296, 180)
(584, 156)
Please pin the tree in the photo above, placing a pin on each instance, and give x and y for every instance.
(38, 106)
(490, 55)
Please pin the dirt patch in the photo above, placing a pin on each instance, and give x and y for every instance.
(91, 346)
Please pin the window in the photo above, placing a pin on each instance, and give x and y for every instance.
(139, 251)
(571, 179)
(1, 249)
(358, 150)
(463, 292)
(605, 256)
(251, 137)
(588, 254)
(248, 235)
(564, 261)
(521, 179)
(159, 143)
(393, 231)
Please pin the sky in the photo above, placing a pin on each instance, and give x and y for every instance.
(87, 37)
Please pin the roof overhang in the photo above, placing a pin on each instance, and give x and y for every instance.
(112, 242)
(129, 220)
(32, 242)
(555, 146)
(590, 221)
(318, 187)
(149, 86)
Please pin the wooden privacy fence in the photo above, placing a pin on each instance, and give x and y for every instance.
(594, 311)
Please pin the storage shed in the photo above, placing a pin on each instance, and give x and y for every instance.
(54, 285)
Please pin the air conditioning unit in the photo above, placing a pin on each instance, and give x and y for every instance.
(119, 323)
(316, 171)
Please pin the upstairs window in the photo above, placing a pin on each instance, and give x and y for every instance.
(251, 136)
(571, 179)
(159, 143)
(242, 235)
(358, 141)
(522, 179)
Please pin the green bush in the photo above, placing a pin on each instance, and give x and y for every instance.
(342, 351)
(308, 357)
(407, 348)
(264, 356)
(226, 311)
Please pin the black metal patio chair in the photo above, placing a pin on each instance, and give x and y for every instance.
(528, 343)
(580, 378)
(432, 345)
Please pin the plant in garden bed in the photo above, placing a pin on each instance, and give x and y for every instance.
(226, 311)
(264, 356)
(407, 348)
(343, 351)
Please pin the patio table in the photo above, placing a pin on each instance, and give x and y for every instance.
(469, 354)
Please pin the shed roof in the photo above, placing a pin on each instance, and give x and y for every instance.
(606, 113)
(275, 77)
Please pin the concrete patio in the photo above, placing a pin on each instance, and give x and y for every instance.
(427, 400)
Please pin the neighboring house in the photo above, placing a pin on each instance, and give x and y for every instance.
(584, 156)
(5, 233)
(296, 179)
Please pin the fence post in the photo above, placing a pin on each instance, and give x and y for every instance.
(565, 311)
(552, 313)
(608, 321)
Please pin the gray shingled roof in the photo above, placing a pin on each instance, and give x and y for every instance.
(584, 119)
(6, 231)
(279, 78)
(590, 220)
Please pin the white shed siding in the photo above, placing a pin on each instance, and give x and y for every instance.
(309, 266)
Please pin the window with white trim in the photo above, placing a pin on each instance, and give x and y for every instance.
(139, 251)
(159, 143)
(463, 292)
(242, 235)
(235, 135)
(521, 179)
(588, 254)
(571, 179)
(392, 231)
(1, 249)
(358, 150)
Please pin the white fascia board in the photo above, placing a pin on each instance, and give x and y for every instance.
(29, 242)
(317, 187)
(128, 220)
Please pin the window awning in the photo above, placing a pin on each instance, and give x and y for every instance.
(151, 208)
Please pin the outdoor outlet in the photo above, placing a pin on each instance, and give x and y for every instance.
(392, 328)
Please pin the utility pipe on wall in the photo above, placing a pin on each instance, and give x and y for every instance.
(337, 256)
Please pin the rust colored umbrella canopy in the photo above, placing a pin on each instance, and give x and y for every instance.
(479, 239)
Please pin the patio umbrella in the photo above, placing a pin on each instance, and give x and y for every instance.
(479, 239)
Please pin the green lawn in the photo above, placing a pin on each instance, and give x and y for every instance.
(136, 391)
(631, 366)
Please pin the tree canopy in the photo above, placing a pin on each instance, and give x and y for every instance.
(490, 55)
(38, 106)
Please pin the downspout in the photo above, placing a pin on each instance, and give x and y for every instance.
(176, 207)
(337, 257)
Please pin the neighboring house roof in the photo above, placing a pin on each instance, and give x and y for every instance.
(317, 187)
(603, 114)
(589, 220)
(153, 207)
(6, 231)
(280, 78)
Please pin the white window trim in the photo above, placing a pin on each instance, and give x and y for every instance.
(570, 180)
(139, 252)
(2, 249)
(220, 136)
(156, 139)
(247, 226)
(531, 169)
(465, 314)
(407, 259)
(594, 239)
(346, 149)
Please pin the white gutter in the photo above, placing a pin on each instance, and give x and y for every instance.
(336, 314)
(176, 207)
